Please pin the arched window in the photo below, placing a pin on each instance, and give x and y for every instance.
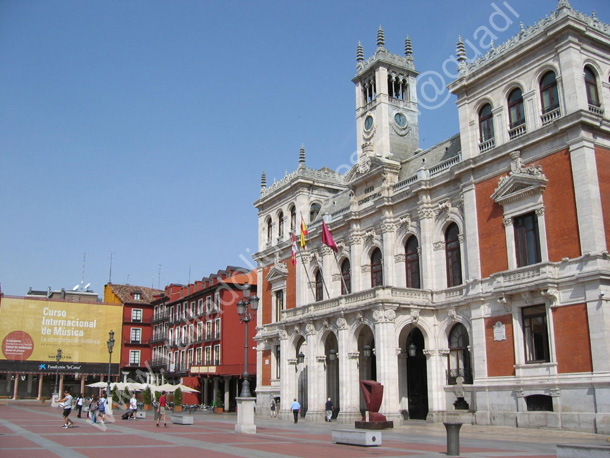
(319, 286)
(280, 225)
(516, 115)
(486, 123)
(412, 262)
(454, 257)
(548, 92)
(591, 86)
(293, 219)
(376, 268)
(459, 356)
(313, 211)
(269, 230)
(346, 274)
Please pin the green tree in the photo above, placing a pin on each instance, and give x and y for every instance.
(178, 397)
(147, 396)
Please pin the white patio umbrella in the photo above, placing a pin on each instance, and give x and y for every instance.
(98, 385)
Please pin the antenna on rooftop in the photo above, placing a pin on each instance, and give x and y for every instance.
(110, 272)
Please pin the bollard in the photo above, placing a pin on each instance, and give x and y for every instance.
(453, 438)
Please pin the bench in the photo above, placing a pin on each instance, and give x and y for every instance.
(365, 438)
(182, 419)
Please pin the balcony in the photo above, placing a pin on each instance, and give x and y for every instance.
(550, 116)
(517, 131)
(596, 110)
(487, 145)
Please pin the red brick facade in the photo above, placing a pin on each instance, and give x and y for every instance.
(500, 354)
(572, 342)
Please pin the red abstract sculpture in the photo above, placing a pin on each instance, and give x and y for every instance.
(373, 395)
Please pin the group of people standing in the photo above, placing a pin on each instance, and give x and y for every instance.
(96, 407)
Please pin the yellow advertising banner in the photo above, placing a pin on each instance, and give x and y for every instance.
(33, 330)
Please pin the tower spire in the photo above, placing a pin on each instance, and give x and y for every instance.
(359, 53)
(408, 47)
(380, 38)
(302, 155)
(263, 180)
(460, 51)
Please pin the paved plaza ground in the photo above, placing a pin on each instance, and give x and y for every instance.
(30, 430)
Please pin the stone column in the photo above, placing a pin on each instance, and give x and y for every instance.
(471, 232)
(355, 243)
(288, 382)
(385, 354)
(427, 250)
(40, 385)
(588, 198)
(206, 383)
(436, 379)
(349, 378)
(388, 234)
(227, 391)
(316, 377)
(16, 386)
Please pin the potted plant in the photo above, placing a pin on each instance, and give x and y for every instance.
(115, 397)
(147, 398)
(218, 402)
(126, 397)
(178, 400)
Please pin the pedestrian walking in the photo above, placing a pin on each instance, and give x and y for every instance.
(296, 409)
(329, 410)
(101, 406)
(162, 410)
(93, 404)
(67, 405)
(273, 407)
(133, 407)
(79, 404)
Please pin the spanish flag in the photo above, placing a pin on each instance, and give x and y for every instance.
(303, 232)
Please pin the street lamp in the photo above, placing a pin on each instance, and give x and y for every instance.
(110, 347)
(58, 359)
(244, 306)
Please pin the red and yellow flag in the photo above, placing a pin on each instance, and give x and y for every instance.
(303, 232)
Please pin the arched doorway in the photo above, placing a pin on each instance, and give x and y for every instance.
(331, 347)
(417, 377)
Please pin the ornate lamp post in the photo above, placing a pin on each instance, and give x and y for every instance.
(58, 359)
(244, 306)
(110, 344)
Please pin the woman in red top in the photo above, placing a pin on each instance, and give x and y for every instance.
(162, 410)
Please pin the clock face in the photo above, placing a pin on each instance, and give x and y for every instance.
(368, 123)
(400, 119)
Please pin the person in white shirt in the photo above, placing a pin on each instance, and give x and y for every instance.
(133, 407)
(67, 402)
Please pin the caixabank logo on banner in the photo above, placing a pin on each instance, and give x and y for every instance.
(32, 331)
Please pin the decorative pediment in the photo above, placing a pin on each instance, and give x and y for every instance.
(521, 182)
(278, 272)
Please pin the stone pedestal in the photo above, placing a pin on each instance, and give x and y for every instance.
(245, 416)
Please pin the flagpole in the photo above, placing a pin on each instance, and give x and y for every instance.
(341, 274)
(304, 267)
(323, 281)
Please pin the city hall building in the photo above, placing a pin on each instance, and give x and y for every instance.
(469, 277)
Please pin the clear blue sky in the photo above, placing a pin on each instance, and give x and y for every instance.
(141, 127)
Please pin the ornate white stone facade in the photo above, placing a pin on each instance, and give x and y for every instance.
(477, 268)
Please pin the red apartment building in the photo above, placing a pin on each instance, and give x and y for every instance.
(198, 339)
(134, 349)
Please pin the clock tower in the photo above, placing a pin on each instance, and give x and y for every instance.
(386, 103)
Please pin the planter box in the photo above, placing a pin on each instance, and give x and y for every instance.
(218, 409)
